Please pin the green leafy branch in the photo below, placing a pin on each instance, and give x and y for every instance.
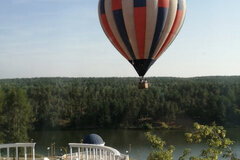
(213, 136)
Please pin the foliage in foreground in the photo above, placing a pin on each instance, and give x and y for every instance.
(214, 137)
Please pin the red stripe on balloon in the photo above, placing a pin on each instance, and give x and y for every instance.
(173, 31)
(109, 33)
(163, 3)
(140, 27)
(116, 5)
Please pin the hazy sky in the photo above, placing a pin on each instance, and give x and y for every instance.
(63, 38)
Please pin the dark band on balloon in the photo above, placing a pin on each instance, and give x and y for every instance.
(102, 8)
(109, 33)
(175, 27)
(107, 29)
(139, 3)
(180, 5)
(118, 17)
(161, 20)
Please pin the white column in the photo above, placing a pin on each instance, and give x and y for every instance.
(90, 153)
(25, 153)
(100, 154)
(78, 153)
(71, 153)
(105, 154)
(7, 153)
(33, 151)
(113, 156)
(16, 153)
(86, 153)
(81, 152)
(94, 154)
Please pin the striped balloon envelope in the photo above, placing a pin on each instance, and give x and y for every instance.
(141, 30)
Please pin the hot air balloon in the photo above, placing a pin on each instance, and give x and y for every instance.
(141, 30)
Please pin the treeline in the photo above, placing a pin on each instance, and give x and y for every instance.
(117, 102)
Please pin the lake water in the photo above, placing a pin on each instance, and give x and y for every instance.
(133, 141)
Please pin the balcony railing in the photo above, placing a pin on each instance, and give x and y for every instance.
(16, 146)
(93, 152)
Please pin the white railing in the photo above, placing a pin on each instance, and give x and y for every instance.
(93, 152)
(16, 146)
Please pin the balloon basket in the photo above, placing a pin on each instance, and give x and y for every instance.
(143, 84)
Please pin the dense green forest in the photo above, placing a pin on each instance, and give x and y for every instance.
(63, 103)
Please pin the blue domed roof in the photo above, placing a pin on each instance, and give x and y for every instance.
(93, 139)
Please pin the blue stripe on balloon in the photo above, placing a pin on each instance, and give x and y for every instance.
(102, 7)
(118, 16)
(139, 3)
(161, 19)
(180, 5)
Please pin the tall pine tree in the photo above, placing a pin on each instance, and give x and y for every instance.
(1, 115)
(18, 116)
